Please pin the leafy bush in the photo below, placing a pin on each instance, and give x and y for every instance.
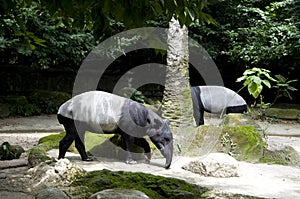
(18, 105)
(24, 109)
(48, 101)
(252, 34)
(30, 35)
(254, 79)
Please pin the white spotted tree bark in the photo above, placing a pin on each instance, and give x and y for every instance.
(177, 102)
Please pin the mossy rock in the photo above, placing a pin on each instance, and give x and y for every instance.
(286, 156)
(238, 119)
(9, 152)
(289, 114)
(242, 142)
(153, 186)
(37, 155)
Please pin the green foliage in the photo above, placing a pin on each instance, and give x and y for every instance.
(252, 34)
(268, 33)
(133, 94)
(48, 101)
(24, 109)
(131, 13)
(283, 87)
(30, 35)
(254, 79)
(18, 105)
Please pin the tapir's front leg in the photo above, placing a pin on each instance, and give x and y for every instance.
(129, 141)
(142, 142)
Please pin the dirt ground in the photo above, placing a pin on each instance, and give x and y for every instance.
(262, 180)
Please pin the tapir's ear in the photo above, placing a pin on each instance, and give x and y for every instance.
(159, 111)
(167, 121)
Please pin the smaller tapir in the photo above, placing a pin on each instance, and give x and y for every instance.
(215, 99)
(101, 112)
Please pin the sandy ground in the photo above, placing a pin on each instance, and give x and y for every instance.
(262, 180)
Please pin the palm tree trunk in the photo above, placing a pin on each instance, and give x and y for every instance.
(177, 102)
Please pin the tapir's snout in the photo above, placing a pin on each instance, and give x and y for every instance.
(167, 152)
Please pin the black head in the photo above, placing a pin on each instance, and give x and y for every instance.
(162, 137)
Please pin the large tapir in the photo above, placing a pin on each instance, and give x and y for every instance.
(102, 112)
(215, 99)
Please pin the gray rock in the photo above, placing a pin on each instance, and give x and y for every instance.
(119, 193)
(11, 195)
(52, 193)
(219, 165)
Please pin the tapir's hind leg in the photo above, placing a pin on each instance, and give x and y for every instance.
(70, 136)
(79, 141)
(81, 149)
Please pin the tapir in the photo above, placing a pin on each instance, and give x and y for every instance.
(215, 99)
(102, 112)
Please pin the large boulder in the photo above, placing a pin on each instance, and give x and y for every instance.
(119, 193)
(241, 142)
(238, 119)
(61, 173)
(289, 114)
(214, 165)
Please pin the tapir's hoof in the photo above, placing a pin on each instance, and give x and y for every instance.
(147, 159)
(87, 159)
(131, 161)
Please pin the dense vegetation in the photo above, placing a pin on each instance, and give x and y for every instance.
(239, 34)
(31, 36)
(248, 34)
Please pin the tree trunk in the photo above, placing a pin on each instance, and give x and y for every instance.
(177, 101)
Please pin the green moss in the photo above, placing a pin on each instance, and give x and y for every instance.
(153, 186)
(51, 141)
